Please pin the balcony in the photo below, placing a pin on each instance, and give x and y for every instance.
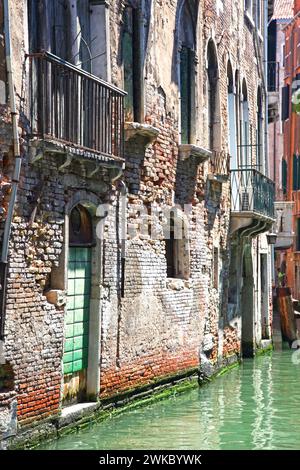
(252, 199)
(74, 111)
(284, 224)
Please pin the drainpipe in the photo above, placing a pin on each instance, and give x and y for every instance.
(17, 169)
(122, 189)
(266, 86)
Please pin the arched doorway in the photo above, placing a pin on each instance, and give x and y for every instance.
(247, 304)
(77, 319)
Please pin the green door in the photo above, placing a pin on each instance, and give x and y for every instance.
(78, 305)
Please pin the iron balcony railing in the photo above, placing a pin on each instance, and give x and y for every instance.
(273, 76)
(71, 105)
(251, 191)
(220, 163)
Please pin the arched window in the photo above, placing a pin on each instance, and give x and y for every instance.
(259, 132)
(213, 98)
(187, 47)
(245, 149)
(131, 61)
(231, 117)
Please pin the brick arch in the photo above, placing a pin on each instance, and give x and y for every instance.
(85, 198)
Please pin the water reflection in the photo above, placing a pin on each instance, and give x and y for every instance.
(256, 406)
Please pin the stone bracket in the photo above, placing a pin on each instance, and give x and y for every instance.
(136, 129)
(66, 163)
(188, 151)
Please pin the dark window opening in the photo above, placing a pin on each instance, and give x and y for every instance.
(55, 27)
(177, 248)
(187, 47)
(187, 57)
(296, 172)
(170, 251)
(284, 176)
(132, 69)
(212, 96)
(81, 227)
(285, 102)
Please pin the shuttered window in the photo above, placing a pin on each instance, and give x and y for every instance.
(285, 102)
(296, 172)
(284, 175)
(186, 71)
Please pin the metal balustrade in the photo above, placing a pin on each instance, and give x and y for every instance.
(251, 191)
(70, 105)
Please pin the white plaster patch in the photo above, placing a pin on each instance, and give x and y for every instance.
(2, 92)
(219, 6)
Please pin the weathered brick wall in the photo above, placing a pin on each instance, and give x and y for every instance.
(160, 326)
(152, 176)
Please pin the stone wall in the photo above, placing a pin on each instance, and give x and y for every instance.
(160, 326)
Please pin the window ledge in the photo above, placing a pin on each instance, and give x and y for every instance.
(186, 151)
(136, 129)
(178, 284)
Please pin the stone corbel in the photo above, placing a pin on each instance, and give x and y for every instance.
(67, 162)
(136, 129)
(190, 151)
(36, 152)
(94, 171)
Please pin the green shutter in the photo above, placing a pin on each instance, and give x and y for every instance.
(77, 317)
(284, 175)
(295, 173)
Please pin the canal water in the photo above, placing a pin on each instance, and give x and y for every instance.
(255, 406)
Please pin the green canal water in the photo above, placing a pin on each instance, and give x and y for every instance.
(255, 406)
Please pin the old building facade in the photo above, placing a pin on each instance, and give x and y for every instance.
(138, 249)
(284, 144)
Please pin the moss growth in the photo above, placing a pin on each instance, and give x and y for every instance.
(149, 394)
(262, 351)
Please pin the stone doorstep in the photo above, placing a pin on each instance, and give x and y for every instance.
(73, 413)
(266, 343)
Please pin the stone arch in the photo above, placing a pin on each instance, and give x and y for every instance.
(85, 198)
